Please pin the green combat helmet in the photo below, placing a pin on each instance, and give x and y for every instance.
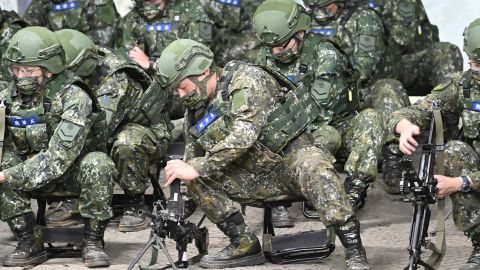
(80, 52)
(36, 46)
(471, 41)
(276, 21)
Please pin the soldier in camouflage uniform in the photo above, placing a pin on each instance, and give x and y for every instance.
(153, 24)
(459, 94)
(10, 23)
(95, 18)
(139, 133)
(234, 38)
(236, 150)
(58, 132)
(304, 57)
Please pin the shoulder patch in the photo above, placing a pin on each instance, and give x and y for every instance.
(68, 131)
(238, 99)
(367, 43)
(444, 84)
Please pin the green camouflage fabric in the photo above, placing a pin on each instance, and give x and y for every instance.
(55, 154)
(361, 135)
(234, 37)
(360, 34)
(181, 19)
(10, 23)
(135, 142)
(234, 166)
(95, 18)
(422, 61)
(461, 158)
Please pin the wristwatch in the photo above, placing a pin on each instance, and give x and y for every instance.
(466, 184)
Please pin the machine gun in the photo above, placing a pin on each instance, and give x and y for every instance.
(422, 187)
(170, 222)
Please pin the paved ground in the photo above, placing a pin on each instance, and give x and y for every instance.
(385, 232)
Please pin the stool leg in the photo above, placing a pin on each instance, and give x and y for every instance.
(42, 206)
(267, 221)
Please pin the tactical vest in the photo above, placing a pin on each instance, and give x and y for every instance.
(32, 128)
(471, 114)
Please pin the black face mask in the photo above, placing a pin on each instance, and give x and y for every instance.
(288, 55)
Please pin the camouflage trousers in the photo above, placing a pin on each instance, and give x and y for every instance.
(462, 159)
(134, 149)
(385, 96)
(91, 178)
(358, 139)
(307, 172)
(425, 69)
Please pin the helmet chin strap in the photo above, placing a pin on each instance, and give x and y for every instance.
(202, 85)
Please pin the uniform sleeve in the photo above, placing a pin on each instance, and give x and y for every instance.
(420, 113)
(126, 32)
(199, 25)
(250, 99)
(36, 13)
(369, 46)
(74, 108)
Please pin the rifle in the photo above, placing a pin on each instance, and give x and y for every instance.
(422, 186)
(170, 222)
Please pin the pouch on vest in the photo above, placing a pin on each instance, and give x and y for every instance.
(213, 134)
(37, 136)
(152, 103)
(259, 160)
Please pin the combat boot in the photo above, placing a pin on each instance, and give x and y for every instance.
(349, 235)
(244, 248)
(473, 261)
(64, 214)
(29, 250)
(281, 217)
(356, 189)
(92, 248)
(132, 221)
(392, 168)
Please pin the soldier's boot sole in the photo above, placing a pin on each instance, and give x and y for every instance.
(73, 222)
(470, 266)
(34, 260)
(97, 263)
(244, 261)
(134, 227)
(283, 223)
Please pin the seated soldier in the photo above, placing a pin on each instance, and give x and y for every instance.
(235, 153)
(459, 96)
(57, 128)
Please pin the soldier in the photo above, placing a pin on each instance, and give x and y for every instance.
(234, 38)
(458, 94)
(139, 133)
(57, 130)
(234, 152)
(283, 27)
(10, 23)
(153, 24)
(95, 18)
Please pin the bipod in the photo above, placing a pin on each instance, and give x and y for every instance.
(156, 243)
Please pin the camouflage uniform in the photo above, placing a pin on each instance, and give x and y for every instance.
(423, 60)
(10, 23)
(456, 96)
(234, 38)
(339, 128)
(179, 19)
(54, 139)
(360, 33)
(95, 18)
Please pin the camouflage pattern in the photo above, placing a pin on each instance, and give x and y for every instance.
(361, 135)
(180, 19)
(234, 166)
(422, 60)
(95, 18)
(234, 37)
(65, 162)
(135, 142)
(461, 158)
(10, 23)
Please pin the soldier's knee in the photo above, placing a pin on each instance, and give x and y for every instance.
(124, 149)
(98, 165)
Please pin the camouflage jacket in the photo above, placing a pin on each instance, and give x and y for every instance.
(249, 98)
(458, 96)
(128, 95)
(59, 119)
(234, 15)
(96, 18)
(326, 70)
(10, 23)
(360, 33)
(181, 19)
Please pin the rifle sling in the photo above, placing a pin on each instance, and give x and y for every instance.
(2, 127)
(440, 245)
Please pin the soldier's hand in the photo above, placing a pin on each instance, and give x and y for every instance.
(179, 169)
(139, 56)
(407, 131)
(447, 185)
(2, 178)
